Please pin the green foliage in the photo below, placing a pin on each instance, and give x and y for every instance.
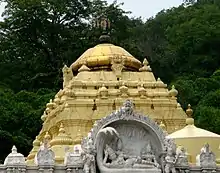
(20, 118)
(208, 111)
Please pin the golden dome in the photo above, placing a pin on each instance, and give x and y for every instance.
(103, 55)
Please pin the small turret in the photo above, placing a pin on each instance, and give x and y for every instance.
(173, 92)
(36, 147)
(60, 143)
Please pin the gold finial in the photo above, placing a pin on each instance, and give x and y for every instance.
(189, 113)
(173, 92)
(159, 81)
(146, 67)
(178, 106)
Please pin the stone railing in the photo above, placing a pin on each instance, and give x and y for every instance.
(45, 163)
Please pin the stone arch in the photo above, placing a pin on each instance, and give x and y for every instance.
(126, 118)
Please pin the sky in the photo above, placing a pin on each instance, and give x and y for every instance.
(139, 8)
(147, 8)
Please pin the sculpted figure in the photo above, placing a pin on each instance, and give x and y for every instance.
(147, 156)
(207, 157)
(127, 109)
(89, 157)
(117, 66)
(170, 161)
(116, 160)
(67, 75)
(181, 157)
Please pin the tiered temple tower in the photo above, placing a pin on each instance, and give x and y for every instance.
(98, 83)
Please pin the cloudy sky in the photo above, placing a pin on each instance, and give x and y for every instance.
(143, 8)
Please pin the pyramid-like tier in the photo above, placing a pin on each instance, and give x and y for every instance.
(102, 56)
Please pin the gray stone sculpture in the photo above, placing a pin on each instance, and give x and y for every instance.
(170, 161)
(207, 158)
(181, 157)
(127, 110)
(45, 157)
(88, 157)
(148, 157)
(124, 141)
(73, 159)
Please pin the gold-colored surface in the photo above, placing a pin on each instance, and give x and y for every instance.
(60, 143)
(31, 156)
(93, 94)
(102, 55)
(193, 138)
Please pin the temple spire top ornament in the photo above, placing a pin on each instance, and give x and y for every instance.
(104, 24)
(189, 113)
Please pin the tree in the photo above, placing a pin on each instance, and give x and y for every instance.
(208, 111)
(20, 118)
(38, 36)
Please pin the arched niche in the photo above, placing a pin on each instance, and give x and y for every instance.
(135, 132)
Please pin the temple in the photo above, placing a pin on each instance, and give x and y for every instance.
(113, 115)
(106, 76)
